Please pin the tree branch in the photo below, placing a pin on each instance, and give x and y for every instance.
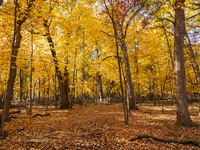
(131, 18)
(170, 14)
(197, 4)
(167, 20)
(192, 16)
(107, 33)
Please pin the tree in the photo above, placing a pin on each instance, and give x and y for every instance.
(19, 20)
(183, 116)
(121, 16)
(62, 79)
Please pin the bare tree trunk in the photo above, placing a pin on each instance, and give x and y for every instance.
(31, 86)
(63, 81)
(93, 90)
(131, 98)
(21, 85)
(183, 116)
(83, 72)
(74, 80)
(153, 86)
(76, 87)
(1, 99)
(39, 93)
(96, 90)
(25, 97)
(43, 93)
(194, 61)
(195, 65)
(13, 67)
(12, 74)
(82, 88)
(100, 88)
(34, 91)
(55, 90)
(168, 45)
(137, 94)
(121, 85)
(99, 80)
(48, 91)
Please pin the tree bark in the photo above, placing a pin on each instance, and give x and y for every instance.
(63, 81)
(39, 93)
(195, 65)
(48, 90)
(194, 60)
(120, 78)
(183, 116)
(74, 80)
(1, 1)
(31, 70)
(132, 102)
(168, 45)
(99, 80)
(21, 86)
(55, 91)
(13, 67)
(1, 99)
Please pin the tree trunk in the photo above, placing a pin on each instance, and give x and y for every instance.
(64, 95)
(1, 1)
(195, 65)
(168, 45)
(39, 93)
(1, 99)
(121, 84)
(48, 90)
(13, 67)
(11, 79)
(100, 88)
(82, 88)
(55, 90)
(194, 60)
(183, 116)
(99, 80)
(63, 81)
(132, 102)
(153, 86)
(31, 70)
(96, 85)
(74, 81)
(137, 94)
(21, 85)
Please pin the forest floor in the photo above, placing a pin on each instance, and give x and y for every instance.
(98, 127)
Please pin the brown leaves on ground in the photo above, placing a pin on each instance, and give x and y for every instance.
(98, 127)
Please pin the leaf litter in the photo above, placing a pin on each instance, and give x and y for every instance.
(98, 127)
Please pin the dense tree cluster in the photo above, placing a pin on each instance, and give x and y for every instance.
(89, 51)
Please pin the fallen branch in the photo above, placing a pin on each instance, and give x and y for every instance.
(13, 117)
(14, 112)
(196, 143)
(5, 134)
(40, 115)
(19, 130)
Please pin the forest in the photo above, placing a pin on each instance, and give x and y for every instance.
(106, 74)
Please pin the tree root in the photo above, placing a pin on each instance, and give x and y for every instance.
(188, 141)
